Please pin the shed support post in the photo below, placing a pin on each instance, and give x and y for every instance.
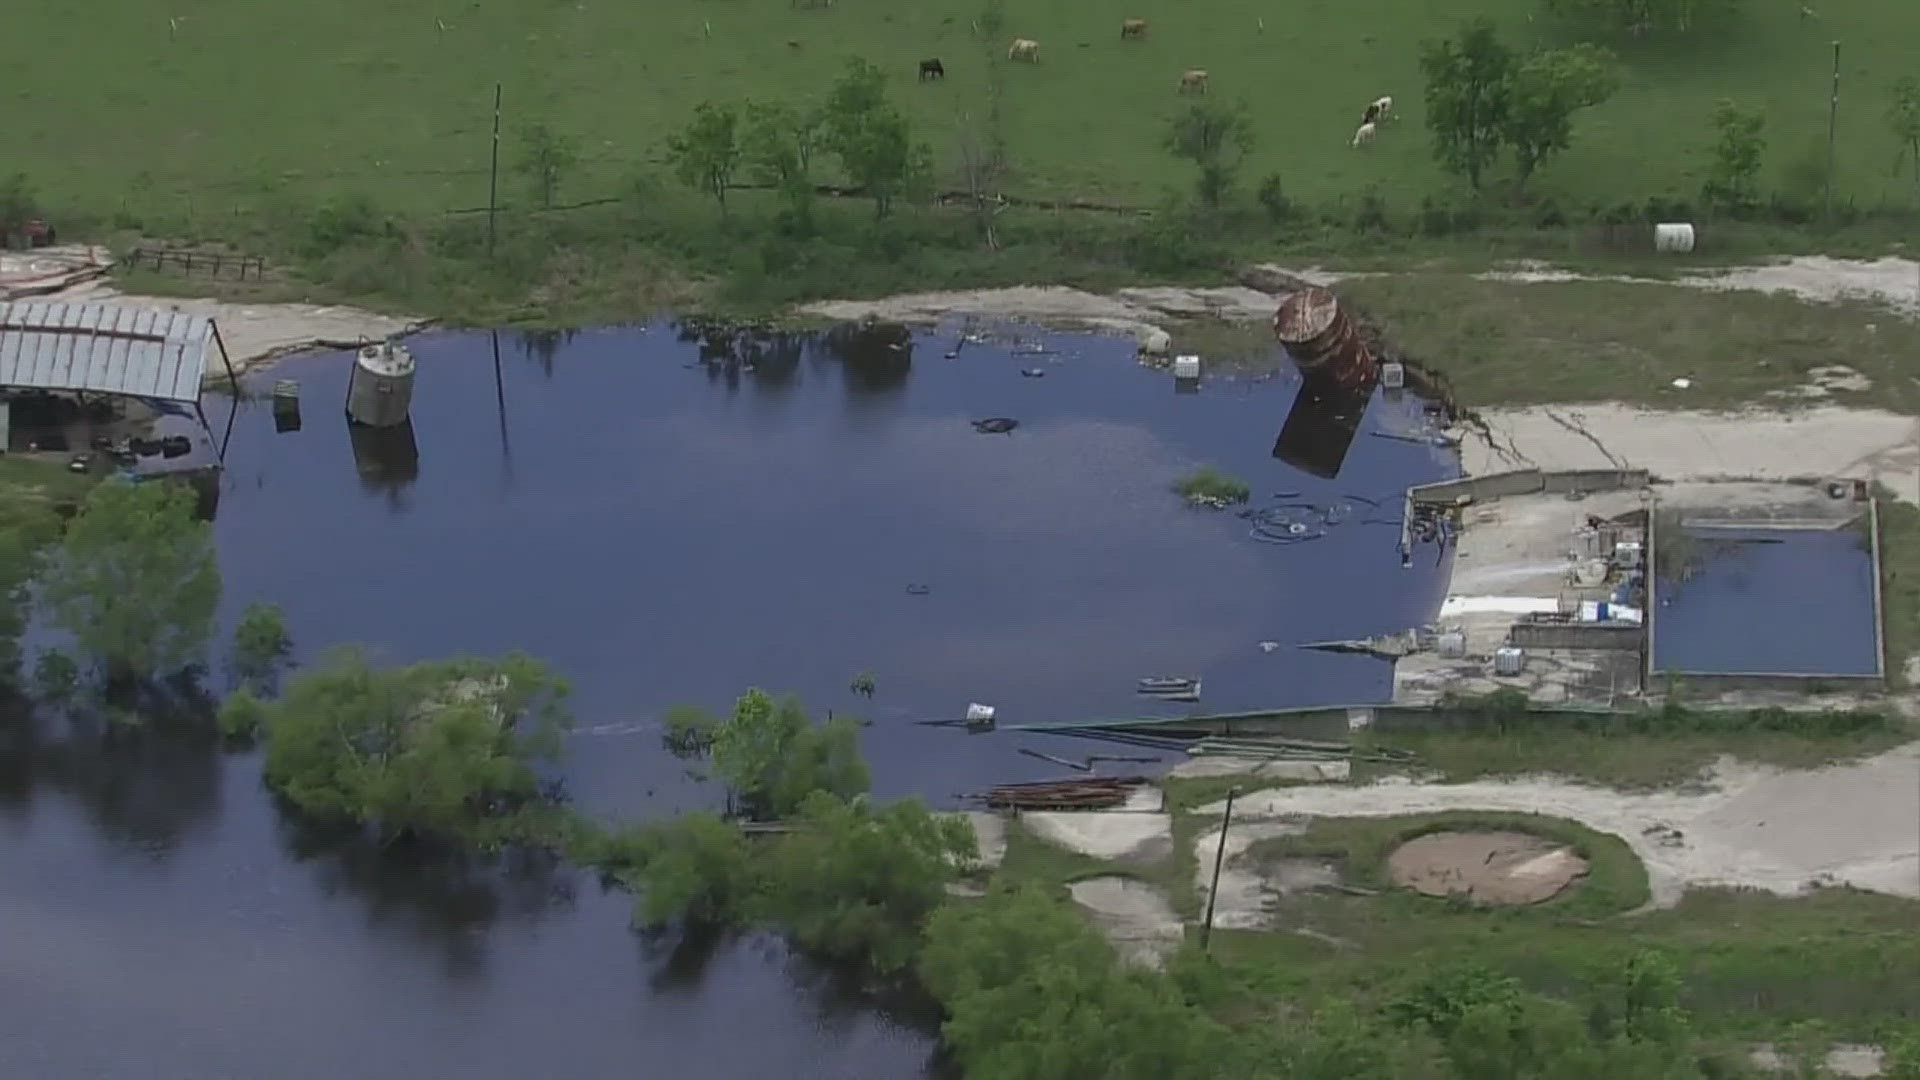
(232, 378)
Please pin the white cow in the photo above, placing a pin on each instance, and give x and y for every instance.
(1024, 49)
(1363, 135)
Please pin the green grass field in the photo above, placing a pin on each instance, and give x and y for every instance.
(108, 106)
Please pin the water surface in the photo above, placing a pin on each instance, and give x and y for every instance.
(666, 517)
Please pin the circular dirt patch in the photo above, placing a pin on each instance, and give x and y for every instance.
(1486, 867)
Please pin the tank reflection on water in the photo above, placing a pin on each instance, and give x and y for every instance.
(667, 514)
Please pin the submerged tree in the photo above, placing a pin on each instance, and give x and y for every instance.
(135, 581)
(260, 645)
(769, 754)
(445, 747)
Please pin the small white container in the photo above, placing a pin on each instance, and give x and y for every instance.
(1186, 367)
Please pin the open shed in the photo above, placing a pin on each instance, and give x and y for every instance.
(155, 356)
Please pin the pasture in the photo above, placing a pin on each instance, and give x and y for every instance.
(133, 102)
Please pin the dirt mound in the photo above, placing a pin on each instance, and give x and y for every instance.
(1494, 868)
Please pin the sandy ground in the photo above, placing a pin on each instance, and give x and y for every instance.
(1890, 281)
(1494, 867)
(1754, 445)
(1139, 831)
(1846, 1059)
(1143, 927)
(256, 334)
(1133, 312)
(1856, 824)
(1261, 768)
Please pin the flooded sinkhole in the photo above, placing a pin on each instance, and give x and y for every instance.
(672, 514)
(667, 521)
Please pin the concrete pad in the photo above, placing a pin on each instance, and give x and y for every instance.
(1133, 835)
(990, 835)
(1754, 445)
(1134, 916)
(1844, 1059)
(1262, 768)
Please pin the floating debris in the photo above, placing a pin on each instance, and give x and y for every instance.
(1034, 372)
(995, 425)
(919, 590)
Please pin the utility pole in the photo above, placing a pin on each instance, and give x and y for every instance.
(1833, 119)
(492, 175)
(1219, 856)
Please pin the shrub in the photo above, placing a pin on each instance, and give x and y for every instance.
(1209, 485)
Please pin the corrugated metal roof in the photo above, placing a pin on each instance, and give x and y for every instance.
(104, 348)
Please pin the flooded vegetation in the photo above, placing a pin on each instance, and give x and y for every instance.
(664, 515)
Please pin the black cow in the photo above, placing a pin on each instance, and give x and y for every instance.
(932, 69)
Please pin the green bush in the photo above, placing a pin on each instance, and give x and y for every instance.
(1208, 484)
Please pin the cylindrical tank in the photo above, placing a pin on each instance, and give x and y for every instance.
(1321, 339)
(380, 390)
(1673, 236)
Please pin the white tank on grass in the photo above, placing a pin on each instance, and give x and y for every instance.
(380, 390)
(1673, 236)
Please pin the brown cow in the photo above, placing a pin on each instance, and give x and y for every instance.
(1193, 81)
(1133, 28)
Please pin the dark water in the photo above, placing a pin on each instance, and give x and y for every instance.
(1811, 589)
(664, 530)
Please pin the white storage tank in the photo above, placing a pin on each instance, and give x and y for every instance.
(380, 390)
(1186, 367)
(1393, 376)
(1452, 644)
(1673, 236)
(1509, 660)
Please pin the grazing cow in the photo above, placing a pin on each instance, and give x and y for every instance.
(1363, 136)
(932, 69)
(1381, 109)
(1133, 28)
(1024, 49)
(1193, 81)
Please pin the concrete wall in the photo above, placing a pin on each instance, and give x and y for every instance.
(1527, 482)
(1576, 636)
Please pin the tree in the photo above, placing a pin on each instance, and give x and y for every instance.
(135, 582)
(697, 869)
(242, 715)
(1639, 17)
(1467, 97)
(444, 747)
(1641, 1003)
(707, 152)
(1903, 116)
(260, 643)
(770, 756)
(28, 527)
(778, 148)
(872, 138)
(17, 204)
(549, 157)
(1543, 92)
(1216, 138)
(1733, 175)
(1032, 992)
(851, 881)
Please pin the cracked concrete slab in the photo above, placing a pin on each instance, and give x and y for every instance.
(1697, 446)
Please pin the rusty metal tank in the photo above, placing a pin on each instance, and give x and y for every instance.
(1322, 340)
